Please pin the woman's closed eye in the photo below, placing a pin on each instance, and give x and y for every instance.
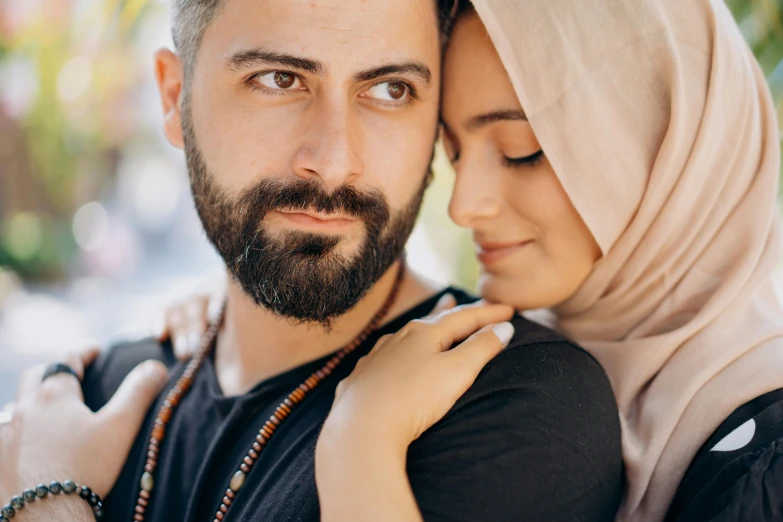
(525, 161)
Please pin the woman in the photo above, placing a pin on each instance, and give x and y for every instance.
(651, 122)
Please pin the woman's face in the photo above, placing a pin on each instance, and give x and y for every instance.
(534, 249)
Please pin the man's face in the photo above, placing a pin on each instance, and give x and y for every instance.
(308, 127)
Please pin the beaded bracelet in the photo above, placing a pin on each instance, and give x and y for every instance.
(55, 488)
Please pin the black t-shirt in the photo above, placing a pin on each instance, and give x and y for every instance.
(537, 437)
(737, 475)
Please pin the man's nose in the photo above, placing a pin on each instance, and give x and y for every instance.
(330, 150)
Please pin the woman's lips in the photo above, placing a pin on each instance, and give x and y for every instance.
(491, 253)
(317, 221)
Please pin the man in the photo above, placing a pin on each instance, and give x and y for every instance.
(308, 129)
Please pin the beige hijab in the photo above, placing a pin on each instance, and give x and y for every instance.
(661, 128)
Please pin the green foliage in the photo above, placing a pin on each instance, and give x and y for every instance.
(83, 70)
(71, 135)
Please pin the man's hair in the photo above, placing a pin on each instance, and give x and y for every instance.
(191, 18)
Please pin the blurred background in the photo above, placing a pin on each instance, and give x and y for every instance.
(97, 229)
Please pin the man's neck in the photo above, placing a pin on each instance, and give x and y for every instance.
(255, 344)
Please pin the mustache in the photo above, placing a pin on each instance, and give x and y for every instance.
(304, 194)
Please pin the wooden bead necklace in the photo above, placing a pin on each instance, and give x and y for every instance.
(282, 412)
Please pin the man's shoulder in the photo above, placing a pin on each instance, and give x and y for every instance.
(540, 346)
(539, 360)
(545, 381)
(536, 437)
(104, 376)
(547, 348)
(526, 331)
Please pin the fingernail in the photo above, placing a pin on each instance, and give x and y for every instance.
(152, 369)
(157, 327)
(194, 338)
(214, 309)
(444, 300)
(181, 344)
(504, 332)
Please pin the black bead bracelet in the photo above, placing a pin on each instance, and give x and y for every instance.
(68, 487)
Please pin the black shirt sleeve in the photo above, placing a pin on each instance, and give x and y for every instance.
(537, 437)
(742, 480)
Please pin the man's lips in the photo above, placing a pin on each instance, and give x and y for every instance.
(316, 220)
(490, 253)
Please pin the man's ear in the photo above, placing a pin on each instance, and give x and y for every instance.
(170, 77)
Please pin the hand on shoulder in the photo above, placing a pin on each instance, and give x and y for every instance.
(52, 435)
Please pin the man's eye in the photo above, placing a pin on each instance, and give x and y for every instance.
(279, 80)
(390, 91)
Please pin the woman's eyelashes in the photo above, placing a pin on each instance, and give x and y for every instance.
(391, 93)
(526, 161)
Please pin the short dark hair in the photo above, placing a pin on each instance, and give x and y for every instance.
(189, 22)
(191, 18)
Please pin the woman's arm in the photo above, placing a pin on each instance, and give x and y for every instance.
(52, 436)
(395, 393)
(535, 437)
(362, 477)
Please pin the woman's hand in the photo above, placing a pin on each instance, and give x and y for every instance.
(411, 379)
(406, 384)
(185, 323)
(52, 435)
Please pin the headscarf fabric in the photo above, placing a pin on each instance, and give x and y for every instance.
(661, 128)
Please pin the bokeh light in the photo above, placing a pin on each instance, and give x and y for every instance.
(97, 228)
(91, 226)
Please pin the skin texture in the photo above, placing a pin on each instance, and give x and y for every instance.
(328, 92)
(361, 453)
(54, 436)
(329, 126)
(335, 127)
(507, 204)
(503, 204)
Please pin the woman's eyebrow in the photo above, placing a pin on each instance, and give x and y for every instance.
(482, 120)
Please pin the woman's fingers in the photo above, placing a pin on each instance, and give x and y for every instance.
(29, 382)
(185, 323)
(478, 349)
(159, 329)
(186, 342)
(126, 410)
(64, 384)
(446, 302)
(460, 322)
(88, 356)
(470, 357)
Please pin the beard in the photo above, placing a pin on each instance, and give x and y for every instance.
(297, 275)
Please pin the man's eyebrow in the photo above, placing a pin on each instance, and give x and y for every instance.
(482, 120)
(254, 57)
(416, 68)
